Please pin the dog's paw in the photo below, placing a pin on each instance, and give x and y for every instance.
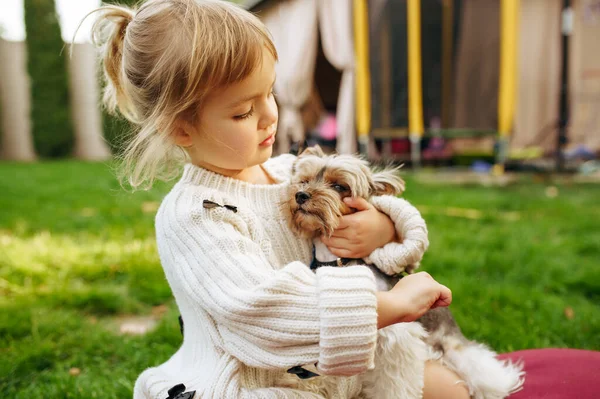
(410, 269)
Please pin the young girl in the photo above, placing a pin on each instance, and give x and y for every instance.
(197, 78)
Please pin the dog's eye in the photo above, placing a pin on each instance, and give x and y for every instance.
(304, 181)
(339, 188)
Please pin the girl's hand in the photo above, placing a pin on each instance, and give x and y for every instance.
(362, 232)
(410, 298)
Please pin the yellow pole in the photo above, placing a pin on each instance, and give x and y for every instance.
(509, 40)
(415, 94)
(363, 77)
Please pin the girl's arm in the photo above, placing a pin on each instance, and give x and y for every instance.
(362, 232)
(388, 232)
(396, 257)
(268, 318)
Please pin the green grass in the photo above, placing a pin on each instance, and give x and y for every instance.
(77, 254)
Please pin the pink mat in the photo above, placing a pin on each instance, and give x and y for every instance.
(558, 373)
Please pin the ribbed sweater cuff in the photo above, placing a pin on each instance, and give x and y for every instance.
(394, 257)
(348, 319)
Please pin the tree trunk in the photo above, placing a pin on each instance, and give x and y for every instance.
(87, 119)
(17, 143)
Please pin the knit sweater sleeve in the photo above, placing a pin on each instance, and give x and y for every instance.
(266, 317)
(396, 257)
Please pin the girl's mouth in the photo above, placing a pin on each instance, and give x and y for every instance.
(271, 139)
(268, 141)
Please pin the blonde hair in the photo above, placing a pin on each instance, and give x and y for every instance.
(160, 62)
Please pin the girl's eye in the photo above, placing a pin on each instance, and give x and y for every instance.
(340, 188)
(245, 116)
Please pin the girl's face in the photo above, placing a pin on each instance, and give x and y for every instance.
(237, 124)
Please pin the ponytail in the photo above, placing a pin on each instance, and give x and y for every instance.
(108, 33)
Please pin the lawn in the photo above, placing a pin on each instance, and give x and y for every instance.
(78, 258)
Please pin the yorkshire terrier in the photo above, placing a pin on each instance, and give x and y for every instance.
(319, 184)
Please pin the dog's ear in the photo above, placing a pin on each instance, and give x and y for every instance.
(387, 182)
(314, 150)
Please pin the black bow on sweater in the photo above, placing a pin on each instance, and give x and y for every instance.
(209, 205)
(177, 392)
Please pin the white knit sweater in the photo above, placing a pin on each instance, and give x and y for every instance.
(251, 305)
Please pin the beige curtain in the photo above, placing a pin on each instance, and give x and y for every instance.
(17, 143)
(539, 70)
(293, 24)
(477, 59)
(476, 73)
(87, 120)
(335, 24)
(584, 64)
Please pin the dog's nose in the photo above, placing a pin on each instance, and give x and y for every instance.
(302, 197)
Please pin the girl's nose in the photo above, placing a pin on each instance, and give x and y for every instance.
(269, 117)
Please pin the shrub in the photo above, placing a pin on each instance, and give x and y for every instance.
(50, 108)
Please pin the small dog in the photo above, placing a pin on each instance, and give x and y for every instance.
(319, 184)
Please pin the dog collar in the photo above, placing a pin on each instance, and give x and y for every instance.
(338, 262)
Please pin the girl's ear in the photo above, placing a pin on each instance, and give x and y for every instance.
(182, 134)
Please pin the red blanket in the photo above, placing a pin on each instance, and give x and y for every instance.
(558, 373)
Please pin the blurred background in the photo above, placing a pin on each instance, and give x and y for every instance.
(492, 105)
(487, 82)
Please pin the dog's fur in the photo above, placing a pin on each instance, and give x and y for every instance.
(319, 184)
